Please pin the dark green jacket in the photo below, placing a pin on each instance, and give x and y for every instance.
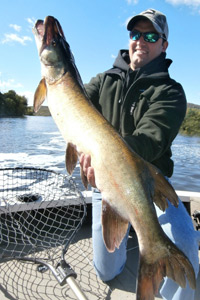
(146, 106)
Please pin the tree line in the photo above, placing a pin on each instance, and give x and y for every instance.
(12, 105)
(191, 123)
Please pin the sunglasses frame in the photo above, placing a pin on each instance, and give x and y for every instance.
(144, 35)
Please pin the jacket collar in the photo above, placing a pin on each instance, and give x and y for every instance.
(159, 65)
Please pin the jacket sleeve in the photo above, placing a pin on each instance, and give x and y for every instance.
(160, 122)
(93, 89)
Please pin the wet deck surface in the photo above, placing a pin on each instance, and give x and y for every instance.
(21, 280)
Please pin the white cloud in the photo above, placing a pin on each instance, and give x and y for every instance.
(134, 2)
(113, 56)
(31, 21)
(13, 37)
(194, 3)
(29, 96)
(9, 84)
(15, 27)
(16, 37)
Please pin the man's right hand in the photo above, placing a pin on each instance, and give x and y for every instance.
(87, 169)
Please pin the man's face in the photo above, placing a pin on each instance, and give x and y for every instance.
(142, 52)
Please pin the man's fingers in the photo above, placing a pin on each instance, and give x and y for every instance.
(91, 176)
(81, 159)
(85, 162)
(88, 171)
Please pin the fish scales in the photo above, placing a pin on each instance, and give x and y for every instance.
(98, 137)
(128, 184)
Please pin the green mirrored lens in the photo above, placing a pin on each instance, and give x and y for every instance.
(135, 35)
(151, 37)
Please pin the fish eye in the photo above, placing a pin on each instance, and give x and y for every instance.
(53, 43)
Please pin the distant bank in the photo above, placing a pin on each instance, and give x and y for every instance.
(44, 110)
(189, 127)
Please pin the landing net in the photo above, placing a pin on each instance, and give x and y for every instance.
(40, 213)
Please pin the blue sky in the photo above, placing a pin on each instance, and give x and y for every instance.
(96, 31)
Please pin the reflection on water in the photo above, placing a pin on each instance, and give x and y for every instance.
(186, 156)
(36, 142)
(31, 141)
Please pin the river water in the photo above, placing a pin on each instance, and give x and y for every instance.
(36, 142)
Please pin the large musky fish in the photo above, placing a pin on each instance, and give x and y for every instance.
(129, 185)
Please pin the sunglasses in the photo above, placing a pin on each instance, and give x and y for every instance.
(150, 37)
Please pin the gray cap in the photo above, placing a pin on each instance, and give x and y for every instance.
(158, 20)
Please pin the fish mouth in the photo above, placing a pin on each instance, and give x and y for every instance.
(50, 36)
(47, 32)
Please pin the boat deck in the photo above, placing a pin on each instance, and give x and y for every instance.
(19, 280)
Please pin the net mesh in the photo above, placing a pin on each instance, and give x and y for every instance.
(40, 212)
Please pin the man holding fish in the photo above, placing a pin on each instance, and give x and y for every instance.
(141, 101)
(122, 125)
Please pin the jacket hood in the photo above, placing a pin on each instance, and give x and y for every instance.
(157, 65)
(122, 61)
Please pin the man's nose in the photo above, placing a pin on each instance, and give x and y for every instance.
(141, 40)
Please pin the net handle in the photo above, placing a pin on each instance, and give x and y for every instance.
(75, 288)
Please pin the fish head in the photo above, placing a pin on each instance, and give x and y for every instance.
(54, 51)
(55, 56)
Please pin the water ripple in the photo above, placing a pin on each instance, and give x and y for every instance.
(36, 142)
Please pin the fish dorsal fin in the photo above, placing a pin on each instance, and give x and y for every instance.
(114, 227)
(163, 190)
(71, 158)
(40, 95)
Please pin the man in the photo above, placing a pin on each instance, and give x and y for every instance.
(138, 97)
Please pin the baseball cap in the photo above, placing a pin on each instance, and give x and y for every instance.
(158, 20)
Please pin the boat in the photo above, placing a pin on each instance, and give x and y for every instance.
(23, 279)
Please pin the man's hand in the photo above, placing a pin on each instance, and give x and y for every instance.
(88, 171)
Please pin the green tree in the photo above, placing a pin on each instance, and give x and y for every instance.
(2, 104)
(11, 104)
(191, 123)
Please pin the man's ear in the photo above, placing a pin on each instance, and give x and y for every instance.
(165, 45)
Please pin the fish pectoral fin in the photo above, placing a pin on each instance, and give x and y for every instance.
(71, 158)
(163, 190)
(40, 95)
(114, 227)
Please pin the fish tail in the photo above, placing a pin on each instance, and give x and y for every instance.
(174, 265)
